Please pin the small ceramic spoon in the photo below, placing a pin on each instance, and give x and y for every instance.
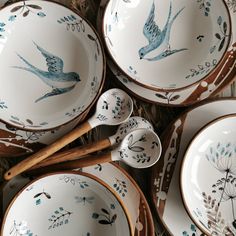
(113, 108)
(141, 148)
(78, 152)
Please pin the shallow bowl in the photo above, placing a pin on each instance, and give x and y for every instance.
(52, 65)
(66, 203)
(208, 177)
(167, 45)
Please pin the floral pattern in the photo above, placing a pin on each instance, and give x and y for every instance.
(25, 9)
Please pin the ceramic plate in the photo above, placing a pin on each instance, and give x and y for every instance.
(51, 73)
(163, 36)
(66, 203)
(165, 189)
(198, 92)
(208, 176)
(116, 178)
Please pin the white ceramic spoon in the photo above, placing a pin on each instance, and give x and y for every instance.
(78, 152)
(113, 108)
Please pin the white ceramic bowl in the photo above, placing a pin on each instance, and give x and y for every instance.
(66, 203)
(167, 45)
(52, 65)
(208, 177)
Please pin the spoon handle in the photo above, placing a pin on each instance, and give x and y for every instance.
(47, 151)
(75, 164)
(74, 153)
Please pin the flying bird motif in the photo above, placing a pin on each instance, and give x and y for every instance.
(55, 78)
(157, 37)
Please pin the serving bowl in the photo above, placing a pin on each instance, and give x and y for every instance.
(66, 203)
(171, 44)
(208, 177)
(52, 65)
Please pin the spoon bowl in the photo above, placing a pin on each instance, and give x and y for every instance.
(141, 148)
(113, 108)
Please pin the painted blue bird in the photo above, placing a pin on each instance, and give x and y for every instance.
(157, 37)
(55, 78)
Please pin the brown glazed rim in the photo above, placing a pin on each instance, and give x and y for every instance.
(102, 79)
(150, 226)
(152, 176)
(209, 124)
(171, 89)
(101, 182)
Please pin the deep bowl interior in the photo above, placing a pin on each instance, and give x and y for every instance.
(66, 204)
(208, 177)
(167, 44)
(51, 64)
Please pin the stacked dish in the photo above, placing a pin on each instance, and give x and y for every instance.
(207, 173)
(52, 74)
(126, 188)
(160, 66)
(208, 177)
(67, 203)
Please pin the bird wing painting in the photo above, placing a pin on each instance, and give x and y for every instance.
(157, 37)
(59, 81)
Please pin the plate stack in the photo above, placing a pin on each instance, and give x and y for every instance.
(173, 53)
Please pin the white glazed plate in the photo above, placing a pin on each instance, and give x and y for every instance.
(66, 204)
(163, 36)
(165, 188)
(118, 179)
(208, 177)
(195, 93)
(52, 73)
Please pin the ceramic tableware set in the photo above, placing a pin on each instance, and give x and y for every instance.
(54, 68)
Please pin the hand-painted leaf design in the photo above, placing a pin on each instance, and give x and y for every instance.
(225, 27)
(175, 98)
(160, 96)
(14, 9)
(34, 6)
(105, 211)
(130, 139)
(26, 13)
(91, 37)
(48, 195)
(95, 215)
(29, 121)
(221, 44)
(219, 20)
(137, 149)
(218, 35)
(104, 222)
(37, 195)
(212, 49)
(113, 219)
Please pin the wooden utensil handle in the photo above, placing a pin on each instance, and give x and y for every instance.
(74, 154)
(70, 165)
(47, 151)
